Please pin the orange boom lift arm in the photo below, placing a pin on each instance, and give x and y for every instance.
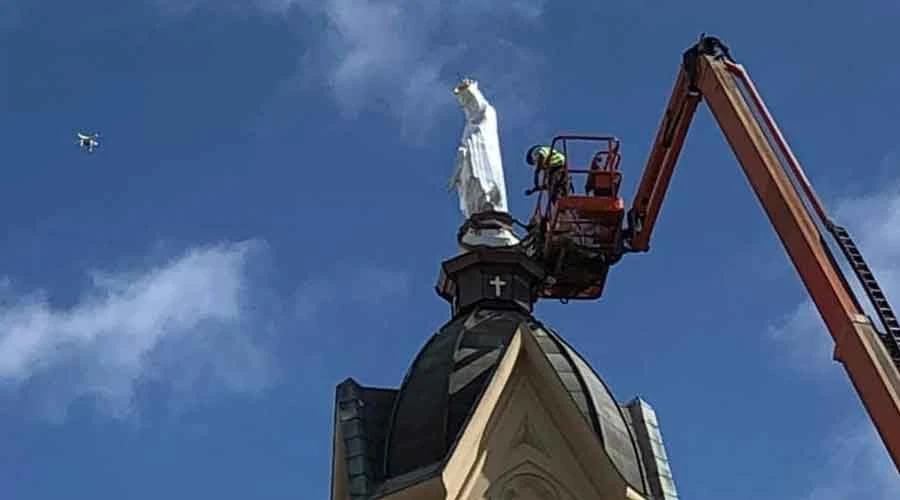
(871, 358)
(578, 237)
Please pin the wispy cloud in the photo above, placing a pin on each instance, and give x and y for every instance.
(199, 324)
(807, 347)
(366, 286)
(404, 55)
(859, 466)
(181, 322)
(873, 221)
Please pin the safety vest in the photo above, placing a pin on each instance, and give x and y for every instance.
(557, 159)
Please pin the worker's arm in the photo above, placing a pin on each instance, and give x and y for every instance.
(708, 73)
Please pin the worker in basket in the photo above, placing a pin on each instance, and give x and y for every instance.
(552, 163)
(601, 179)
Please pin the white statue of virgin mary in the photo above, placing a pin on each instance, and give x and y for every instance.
(478, 176)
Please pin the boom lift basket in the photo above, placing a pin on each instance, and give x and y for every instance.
(582, 233)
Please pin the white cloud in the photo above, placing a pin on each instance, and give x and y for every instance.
(808, 347)
(873, 221)
(199, 323)
(363, 286)
(181, 322)
(403, 55)
(859, 466)
(406, 53)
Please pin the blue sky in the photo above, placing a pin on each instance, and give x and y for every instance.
(268, 210)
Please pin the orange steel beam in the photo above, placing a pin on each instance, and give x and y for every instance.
(716, 79)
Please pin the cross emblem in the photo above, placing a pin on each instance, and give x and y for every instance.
(498, 285)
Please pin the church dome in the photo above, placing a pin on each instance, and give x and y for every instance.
(449, 374)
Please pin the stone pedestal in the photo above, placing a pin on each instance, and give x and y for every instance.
(495, 276)
(487, 229)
